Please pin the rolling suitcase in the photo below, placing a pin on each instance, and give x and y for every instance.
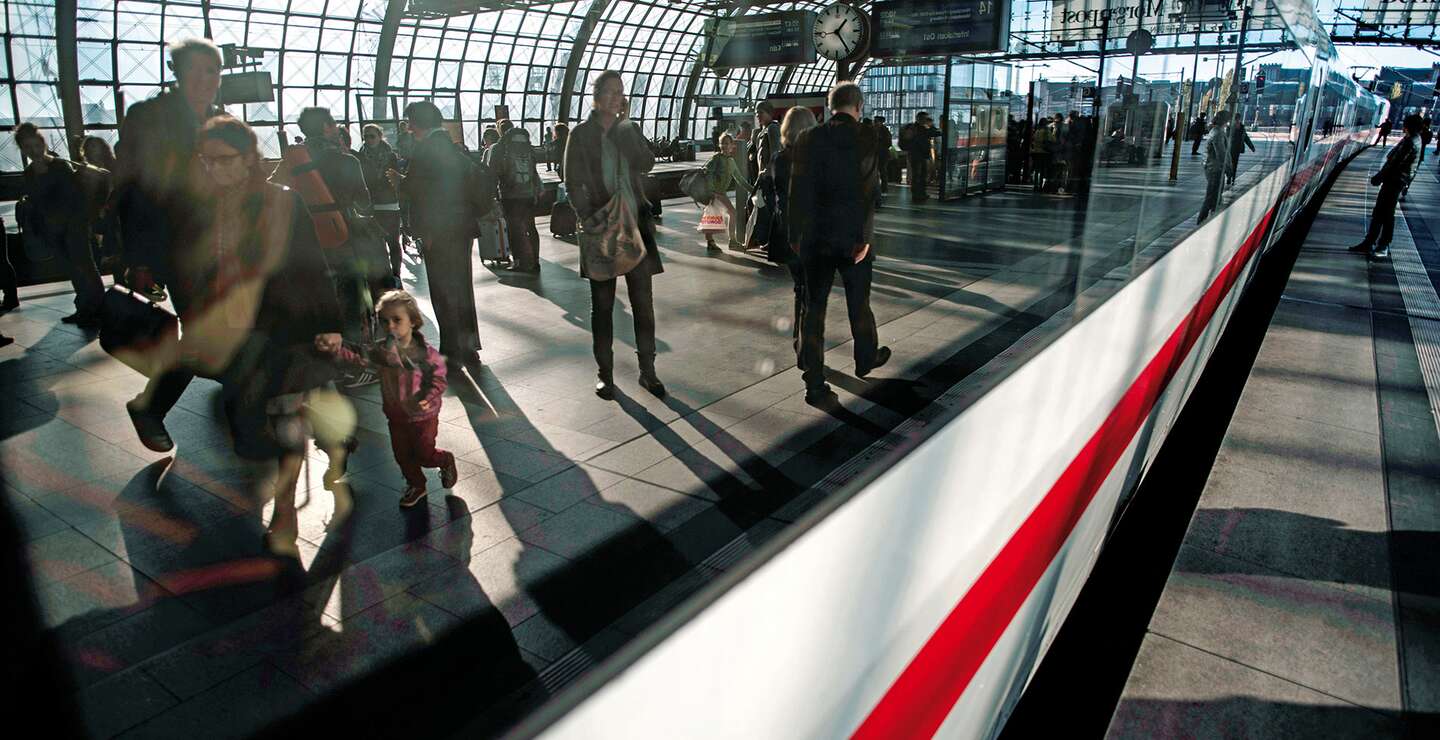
(562, 219)
(494, 247)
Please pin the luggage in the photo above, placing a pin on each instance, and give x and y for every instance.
(137, 332)
(494, 244)
(562, 219)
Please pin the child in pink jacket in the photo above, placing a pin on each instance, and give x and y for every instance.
(412, 379)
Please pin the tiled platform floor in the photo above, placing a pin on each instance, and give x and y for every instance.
(1305, 601)
(576, 522)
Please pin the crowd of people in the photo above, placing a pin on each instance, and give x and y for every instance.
(285, 279)
(1053, 154)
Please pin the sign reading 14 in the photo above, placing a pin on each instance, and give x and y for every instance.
(842, 32)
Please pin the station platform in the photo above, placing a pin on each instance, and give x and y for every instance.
(1305, 599)
(576, 524)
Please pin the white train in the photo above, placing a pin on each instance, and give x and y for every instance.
(922, 603)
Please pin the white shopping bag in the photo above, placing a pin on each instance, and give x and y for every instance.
(713, 220)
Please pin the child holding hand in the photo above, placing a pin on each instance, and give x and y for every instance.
(412, 379)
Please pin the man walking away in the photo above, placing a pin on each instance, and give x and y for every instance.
(831, 220)
(884, 138)
(1217, 161)
(917, 146)
(1392, 178)
(512, 160)
(1197, 135)
(1385, 128)
(442, 218)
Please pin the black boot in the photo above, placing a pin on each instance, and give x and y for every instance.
(605, 385)
(648, 380)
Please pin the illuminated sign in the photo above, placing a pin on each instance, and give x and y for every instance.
(923, 27)
(760, 40)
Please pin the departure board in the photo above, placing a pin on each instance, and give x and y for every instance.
(761, 40)
(905, 28)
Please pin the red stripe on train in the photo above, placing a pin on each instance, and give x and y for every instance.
(920, 699)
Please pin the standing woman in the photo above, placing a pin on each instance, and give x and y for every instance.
(376, 157)
(562, 136)
(260, 298)
(724, 173)
(605, 157)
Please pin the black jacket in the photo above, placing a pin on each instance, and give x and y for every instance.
(585, 177)
(375, 159)
(833, 188)
(765, 144)
(778, 250)
(1399, 164)
(435, 185)
(342, 174)
(154, 159)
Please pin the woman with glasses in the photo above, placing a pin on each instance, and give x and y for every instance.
(260, 300)
(376, 157)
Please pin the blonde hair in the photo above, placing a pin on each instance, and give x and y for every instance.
(400, 298)
(797, 121)
(726, 138)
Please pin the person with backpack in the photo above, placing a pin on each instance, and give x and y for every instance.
(344, 177)
(512, 161)
(1217, 162)
(915, 141)
(443, 216)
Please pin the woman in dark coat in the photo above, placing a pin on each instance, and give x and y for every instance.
(797, 120)
(598, 156)
(261, 302)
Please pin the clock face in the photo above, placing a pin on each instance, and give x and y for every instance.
(842, 31)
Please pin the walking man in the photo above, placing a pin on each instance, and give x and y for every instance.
(1392, 178)
(435, 185)
(1217, 162)
(833, 188)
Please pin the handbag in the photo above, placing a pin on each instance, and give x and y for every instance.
(141, 334)
(616, 250)
(696, 185)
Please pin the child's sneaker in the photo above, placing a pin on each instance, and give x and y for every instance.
(413, 495)
(448, 472)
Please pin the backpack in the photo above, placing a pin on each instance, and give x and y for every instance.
(516, 166)
(907, 136)
(479, 184)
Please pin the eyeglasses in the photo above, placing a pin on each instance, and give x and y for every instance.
(224, 160)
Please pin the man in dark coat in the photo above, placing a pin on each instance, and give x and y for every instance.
(1393, 177)
(609, 134)
(435, 185)
(915, 140)
(154, 160)
(761, 156)
(833, 190)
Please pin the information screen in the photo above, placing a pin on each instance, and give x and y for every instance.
(923, 27)
(761, 40)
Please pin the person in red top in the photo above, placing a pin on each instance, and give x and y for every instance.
(412, 379)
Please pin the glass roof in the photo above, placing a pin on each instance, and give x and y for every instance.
(323, 52)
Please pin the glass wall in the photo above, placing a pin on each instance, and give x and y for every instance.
(975, 124)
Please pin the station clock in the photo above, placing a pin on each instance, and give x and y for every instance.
(842, 32)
